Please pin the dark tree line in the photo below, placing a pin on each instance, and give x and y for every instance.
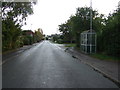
(107, 29)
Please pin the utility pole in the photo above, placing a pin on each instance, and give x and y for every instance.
(91, 16)
(91, 26)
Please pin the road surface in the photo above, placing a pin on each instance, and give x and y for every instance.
(47, 66)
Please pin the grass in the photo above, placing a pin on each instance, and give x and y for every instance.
(105, 57)
(9, 51)
(97, 55)
(70, 45)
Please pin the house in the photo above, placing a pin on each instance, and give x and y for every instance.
(28, 37)
(28, 33)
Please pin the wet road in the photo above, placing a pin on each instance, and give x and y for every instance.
(48, 66)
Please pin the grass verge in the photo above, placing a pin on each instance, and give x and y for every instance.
(102, 56)
(70, 45)
(105, 57)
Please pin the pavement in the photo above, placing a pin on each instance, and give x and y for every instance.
(109, 69)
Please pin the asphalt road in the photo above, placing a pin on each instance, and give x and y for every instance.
(47, 66)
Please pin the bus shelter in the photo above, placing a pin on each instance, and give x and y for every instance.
(88, 41)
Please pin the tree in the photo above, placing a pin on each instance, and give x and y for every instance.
(38, 36)
(111, 34)
(107, 29)
(13, 16)
(98, 26)
(77, 23)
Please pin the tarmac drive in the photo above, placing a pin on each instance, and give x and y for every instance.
(48, 66)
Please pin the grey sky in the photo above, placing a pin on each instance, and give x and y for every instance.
(48, 14)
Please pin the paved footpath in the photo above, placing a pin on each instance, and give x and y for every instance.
(109, 69)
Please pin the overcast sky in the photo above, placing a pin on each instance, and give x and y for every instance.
(48, 14)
